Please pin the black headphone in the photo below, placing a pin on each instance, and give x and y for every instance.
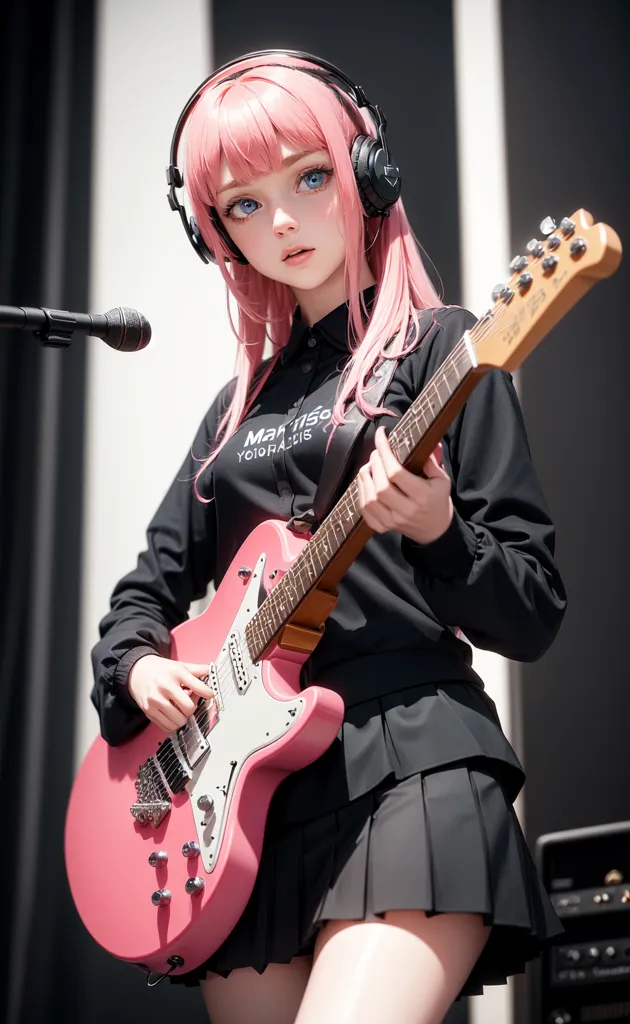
(377, 177)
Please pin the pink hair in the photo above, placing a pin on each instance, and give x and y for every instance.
(244, 119)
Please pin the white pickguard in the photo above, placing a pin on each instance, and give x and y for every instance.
(248, 721)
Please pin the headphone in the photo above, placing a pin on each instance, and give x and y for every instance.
(377, 176)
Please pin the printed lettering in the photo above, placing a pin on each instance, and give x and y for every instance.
(253, 438)
(313, 416)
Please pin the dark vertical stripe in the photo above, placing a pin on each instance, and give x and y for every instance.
(567, 93)
(404, 60)
(46, 121)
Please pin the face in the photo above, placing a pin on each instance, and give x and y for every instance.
(288, 211)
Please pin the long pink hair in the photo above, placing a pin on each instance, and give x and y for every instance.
(245, 119)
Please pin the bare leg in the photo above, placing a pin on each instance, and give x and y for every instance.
(407, 969)
(246, 997)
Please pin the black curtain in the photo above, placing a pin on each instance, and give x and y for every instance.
(45, 127)
(567, 93)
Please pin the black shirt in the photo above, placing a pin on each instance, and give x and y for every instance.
(392, 646)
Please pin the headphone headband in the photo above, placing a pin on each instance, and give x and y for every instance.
(378, 178)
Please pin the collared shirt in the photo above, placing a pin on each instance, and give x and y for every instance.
(395, 628)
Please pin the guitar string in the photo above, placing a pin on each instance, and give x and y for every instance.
(224, 670)
(457, 356)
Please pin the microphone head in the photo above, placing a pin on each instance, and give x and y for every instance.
(127, 329)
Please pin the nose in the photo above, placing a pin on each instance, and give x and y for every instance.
(283, 222)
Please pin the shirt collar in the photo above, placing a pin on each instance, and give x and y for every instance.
(332, 328)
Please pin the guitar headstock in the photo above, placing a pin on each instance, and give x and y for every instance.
(544, 285)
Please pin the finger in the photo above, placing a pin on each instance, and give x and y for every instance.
(181, 701)
(161, 719)
(433, 469)
(197, 670)
(406, 482)
(170, 709)
(373, 515)
(390, 497)
(191, 682)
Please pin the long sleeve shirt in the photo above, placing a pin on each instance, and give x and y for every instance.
(403, 607)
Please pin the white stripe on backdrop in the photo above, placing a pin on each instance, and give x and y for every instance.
(142, 409)
(483, 207)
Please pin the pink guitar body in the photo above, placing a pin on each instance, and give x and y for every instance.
(209, 784)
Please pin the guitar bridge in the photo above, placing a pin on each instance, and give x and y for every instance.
(155, 811)
(153, 802)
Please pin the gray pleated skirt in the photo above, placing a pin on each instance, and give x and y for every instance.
(442, 841)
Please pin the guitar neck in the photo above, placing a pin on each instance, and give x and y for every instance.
(543, 287)
(341, 536)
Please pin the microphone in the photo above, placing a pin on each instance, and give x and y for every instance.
(121, 328)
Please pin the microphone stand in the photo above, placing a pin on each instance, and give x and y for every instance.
(55, 332)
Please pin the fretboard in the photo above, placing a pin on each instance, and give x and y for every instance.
(314, 559)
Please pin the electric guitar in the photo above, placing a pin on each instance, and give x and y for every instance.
(164, 834)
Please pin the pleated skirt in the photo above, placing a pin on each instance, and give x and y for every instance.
(442, 841)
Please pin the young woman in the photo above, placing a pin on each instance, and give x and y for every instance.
(394, 875)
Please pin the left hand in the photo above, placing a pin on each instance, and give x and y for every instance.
(392, 498)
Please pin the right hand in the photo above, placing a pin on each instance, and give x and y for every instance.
(162, 689)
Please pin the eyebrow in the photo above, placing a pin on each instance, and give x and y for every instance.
(287, 162)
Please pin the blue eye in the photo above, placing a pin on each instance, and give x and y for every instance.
(241, 208)
(314, 179)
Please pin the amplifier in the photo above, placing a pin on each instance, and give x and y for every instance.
(585, 973)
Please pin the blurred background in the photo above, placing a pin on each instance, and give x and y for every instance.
(499, 114)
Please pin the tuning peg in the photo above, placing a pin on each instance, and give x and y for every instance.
(567, 226)
(518, 263)
(501, 291)
(547, 226)
(535, 247)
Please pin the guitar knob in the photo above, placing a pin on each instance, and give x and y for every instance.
(158, 858)
(191, 850)
(161, 898)
(194, 885)
(205, 802)
(244, 572)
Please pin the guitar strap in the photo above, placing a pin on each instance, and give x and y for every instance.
(339, 457)
(338, 460)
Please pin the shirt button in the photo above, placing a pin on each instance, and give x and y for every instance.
(307, 367)
(312, 342)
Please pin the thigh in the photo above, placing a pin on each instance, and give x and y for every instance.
(246, 997)
(404, 969)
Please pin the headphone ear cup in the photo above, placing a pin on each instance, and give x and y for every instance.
(235, 253)
(378, 183)
(196, 238)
